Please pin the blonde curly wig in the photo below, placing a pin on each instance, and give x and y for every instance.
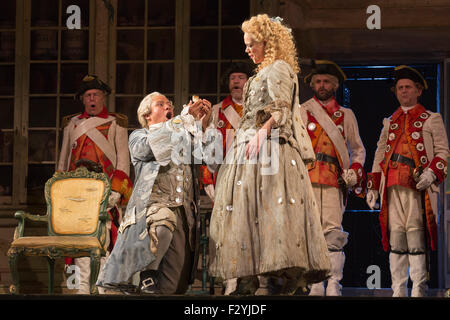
(280, 43)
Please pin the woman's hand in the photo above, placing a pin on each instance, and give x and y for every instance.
(254, 145)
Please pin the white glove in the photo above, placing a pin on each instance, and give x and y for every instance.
(425, 179)
(114, 198)
(371, 198)
(349, 177)
(209, 189)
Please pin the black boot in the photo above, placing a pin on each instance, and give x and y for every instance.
(149, 282)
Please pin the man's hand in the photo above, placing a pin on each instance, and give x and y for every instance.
(114, 198)
(209, 189)
(425, 179)
(371, 199)
(207, 109)
(199, 108)
(349, 177)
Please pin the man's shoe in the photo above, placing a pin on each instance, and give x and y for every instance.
(149, 286)
(149, 283)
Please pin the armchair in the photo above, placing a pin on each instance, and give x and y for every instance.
(76, 218)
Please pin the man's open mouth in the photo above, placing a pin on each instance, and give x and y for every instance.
(169, 115)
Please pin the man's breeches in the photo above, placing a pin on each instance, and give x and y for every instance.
(331, 207)
(406, 226)
(173, 258)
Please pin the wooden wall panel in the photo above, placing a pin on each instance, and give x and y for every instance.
(410, 30)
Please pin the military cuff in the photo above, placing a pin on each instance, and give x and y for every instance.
(439, 168)
(121, 183)
(373, 180)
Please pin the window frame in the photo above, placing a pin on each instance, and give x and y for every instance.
(101, 61)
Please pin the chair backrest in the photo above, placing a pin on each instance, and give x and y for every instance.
(75, 201)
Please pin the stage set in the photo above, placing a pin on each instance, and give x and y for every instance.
(49, 49)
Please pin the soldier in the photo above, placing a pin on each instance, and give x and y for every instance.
(98, 139)
(408, 166)
(340, 157)
(226, 115)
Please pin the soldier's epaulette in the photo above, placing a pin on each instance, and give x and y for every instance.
(65, 120)
(121, 119)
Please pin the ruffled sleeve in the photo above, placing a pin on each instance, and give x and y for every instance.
(280, 86)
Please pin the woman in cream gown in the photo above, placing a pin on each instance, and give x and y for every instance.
(265, 220)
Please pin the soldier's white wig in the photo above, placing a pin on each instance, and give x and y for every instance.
(144, 108)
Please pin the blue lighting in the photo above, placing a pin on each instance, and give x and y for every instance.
(368, 79)
(364, 211)
(366, 67)
(438, 88)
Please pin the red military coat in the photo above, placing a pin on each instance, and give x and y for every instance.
(425, 134)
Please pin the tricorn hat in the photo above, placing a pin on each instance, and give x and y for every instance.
(326, 67)
(406, 72)
(89, 82)
(241, 67)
